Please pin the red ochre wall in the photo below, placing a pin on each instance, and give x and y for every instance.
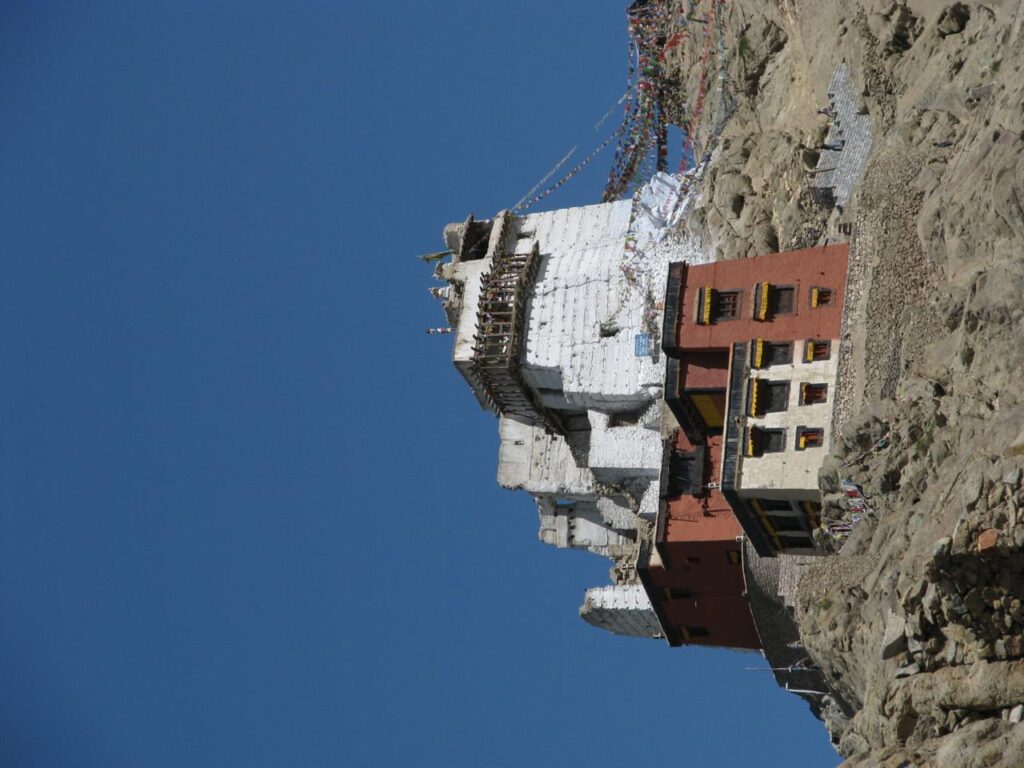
(823, 266)
(694, 541)
(705, 370)
(717, 603)
(695, 548)
(686, 519)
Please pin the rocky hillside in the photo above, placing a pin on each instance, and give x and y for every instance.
(918, 621)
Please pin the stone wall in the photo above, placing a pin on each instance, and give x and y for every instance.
(623, 609)
(771, 583)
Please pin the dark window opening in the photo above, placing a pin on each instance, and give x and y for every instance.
(817, 349)
(780, 354)
(811, 394)
(475, 240)
(714, 305)
(685, 473)
(769, 353)
(761, 441)
(821, 297)
(767, 397)
(771, 300)
(691, 632)
(782, 300)
(733, 556)
(775, 505)
(628, 418)
(725, 305)
(809, 437)
(776, 396)
(795, 540)
(813, 511)
(784, 523)
(677, 594)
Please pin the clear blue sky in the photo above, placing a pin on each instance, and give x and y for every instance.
(248, 514)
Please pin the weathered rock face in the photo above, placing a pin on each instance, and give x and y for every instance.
(929, 639)
(918, 621)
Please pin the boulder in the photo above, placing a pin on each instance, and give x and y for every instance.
(988, 543)
(894, 642)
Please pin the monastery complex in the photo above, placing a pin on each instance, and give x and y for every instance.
(664, 410)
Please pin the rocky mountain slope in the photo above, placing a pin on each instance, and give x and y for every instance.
(918, 621)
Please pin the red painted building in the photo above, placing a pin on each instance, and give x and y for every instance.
(751, 348)
(693, 573)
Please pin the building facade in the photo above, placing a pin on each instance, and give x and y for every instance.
(752, 358)
(556, 318)
(659, 408)
(692, 568)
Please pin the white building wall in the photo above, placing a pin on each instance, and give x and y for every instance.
(468, 273)
(649, 502)
(620, 453)
(601, 265)
(580, 525)
(542, 464)
(792, 470)
(586, 254)
(616, 513)
(623, 609)
(579, 286)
